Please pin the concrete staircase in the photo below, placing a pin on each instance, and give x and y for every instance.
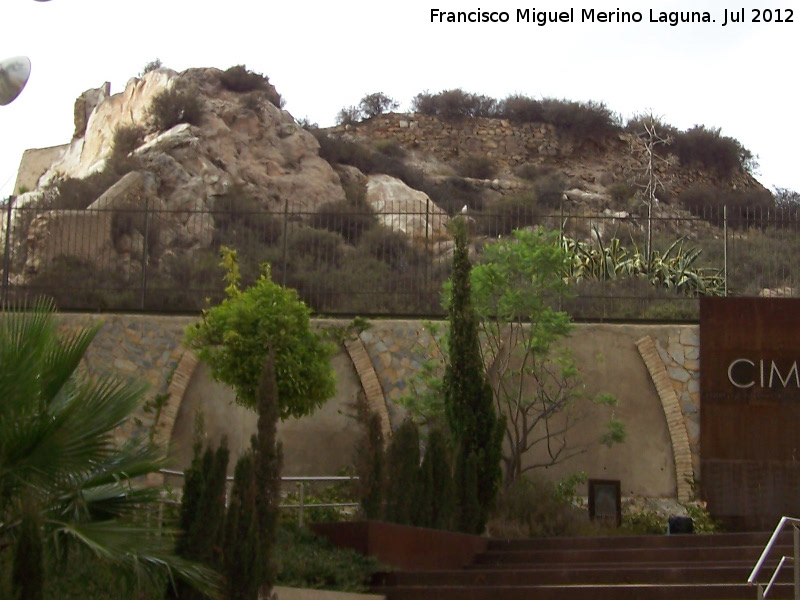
(676, 567)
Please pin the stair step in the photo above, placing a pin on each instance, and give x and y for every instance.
(639, 541)
(654, 591)
(623, 555)
(687, 567)
(564, 575)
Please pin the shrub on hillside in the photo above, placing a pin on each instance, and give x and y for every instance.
(550, 190)
(151, 66)
(348, 115)
(746, 208)
(348, 220)
(376, 104)
(240, 79)
(477, 166)
(453, 193)
(126, 139)
(391, 247)
(580, 120)
(521, 109)
(453, 104)
(531, 172)
(704, 148)
(172, 106)
(315, 247)
(511, 212)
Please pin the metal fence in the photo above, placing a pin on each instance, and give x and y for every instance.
(389, 262)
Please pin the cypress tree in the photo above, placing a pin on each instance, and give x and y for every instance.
(267, 458)
(402, 473)
(370, 461)
(471, 515)
(202, 513)
(240, 547)
(469, 405)
(438, 493)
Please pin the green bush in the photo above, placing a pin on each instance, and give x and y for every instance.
(453, 104)
(305, 560)
(536, 507)
(477, 167)
(173, 106)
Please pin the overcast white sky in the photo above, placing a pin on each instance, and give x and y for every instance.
(322, 56)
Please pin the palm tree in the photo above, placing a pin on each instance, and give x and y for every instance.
(65, 483)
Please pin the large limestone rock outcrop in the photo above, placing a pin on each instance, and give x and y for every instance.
(401, 208)
(242, 144)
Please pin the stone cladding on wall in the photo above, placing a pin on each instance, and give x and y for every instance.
(398, 350)
(149, 348)
(143, 347)
(680, 351)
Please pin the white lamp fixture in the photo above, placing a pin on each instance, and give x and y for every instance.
(14, 73)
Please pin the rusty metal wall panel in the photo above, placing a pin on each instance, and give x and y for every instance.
(750, 409)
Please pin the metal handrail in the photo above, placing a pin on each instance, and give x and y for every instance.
(301, 480)
(762, 592)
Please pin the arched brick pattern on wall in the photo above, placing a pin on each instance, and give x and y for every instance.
(372, 386)
(169, 413)
(672, 411)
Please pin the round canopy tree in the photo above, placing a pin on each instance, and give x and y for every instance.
(235, 337)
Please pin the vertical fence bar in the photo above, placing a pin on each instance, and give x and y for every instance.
(796, 561)
(7, 251)
(285, 235)
(428, 284)
(302, 503)
(145, 252)
(725, 248)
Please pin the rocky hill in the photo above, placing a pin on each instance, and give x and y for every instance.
(158, 176)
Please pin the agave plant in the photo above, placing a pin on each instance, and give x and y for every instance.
(65, 484)
(673, 269)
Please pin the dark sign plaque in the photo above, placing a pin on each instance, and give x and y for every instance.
(605, 501)
(750, 409)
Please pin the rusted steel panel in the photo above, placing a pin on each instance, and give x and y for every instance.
(750, 409)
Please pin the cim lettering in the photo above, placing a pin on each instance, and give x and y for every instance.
(745, 381)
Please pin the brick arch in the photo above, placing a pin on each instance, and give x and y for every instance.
(376, 400)
(169, 413)
(679, 437)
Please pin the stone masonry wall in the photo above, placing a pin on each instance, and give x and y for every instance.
(150, 348)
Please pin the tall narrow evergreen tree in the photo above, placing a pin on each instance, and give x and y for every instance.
(469, 406)
(202, 515)
(267, 459)
(437, 494)
(370, 466)
(241, 554)
(402, 475)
